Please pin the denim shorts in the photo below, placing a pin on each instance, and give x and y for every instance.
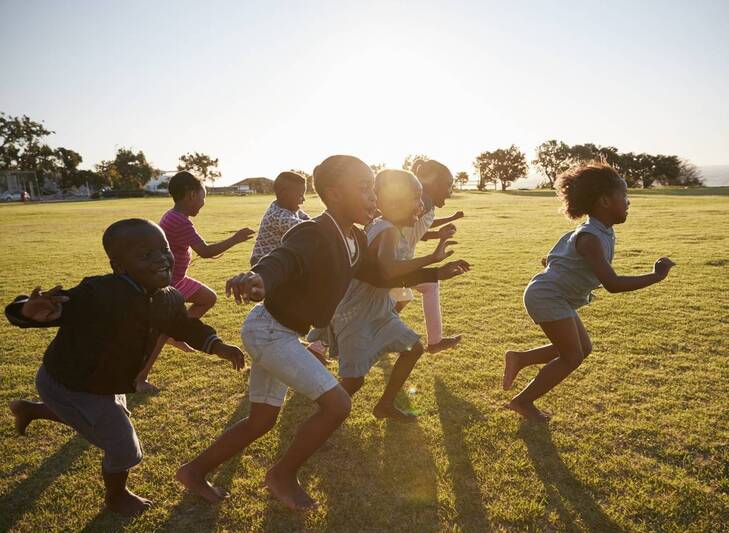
(280, 361)
(102, 419)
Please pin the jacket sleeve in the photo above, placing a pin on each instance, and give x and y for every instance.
(296, 256)
(169, 316)
(82, 306)
(369, 271)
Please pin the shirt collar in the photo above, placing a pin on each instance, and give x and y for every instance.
(352, 260)
(133, 283)
(599, 225)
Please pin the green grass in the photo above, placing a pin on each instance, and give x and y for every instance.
(639, 438)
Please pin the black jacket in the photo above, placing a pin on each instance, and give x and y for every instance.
(307, 276)
(107, 330)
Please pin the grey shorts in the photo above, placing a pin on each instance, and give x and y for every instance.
(102, 419)
(545, 304)
(280, 361)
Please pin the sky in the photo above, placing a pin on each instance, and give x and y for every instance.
(271, 86)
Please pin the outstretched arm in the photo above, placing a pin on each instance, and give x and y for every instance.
(206, 250)
(589, 247)
(445, 232)
(447, 220)
(42, 309)
(392, 267)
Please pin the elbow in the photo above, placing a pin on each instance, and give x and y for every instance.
(205, 253)
(611, 287)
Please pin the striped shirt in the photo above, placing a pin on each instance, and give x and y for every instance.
(181, 234)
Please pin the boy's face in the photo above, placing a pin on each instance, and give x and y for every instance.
(357, 197)
(402, 204)
(291, 196)
(441, 190)
(145, 256)
(195, 200)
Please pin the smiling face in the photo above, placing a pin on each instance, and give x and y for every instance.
(144, 255)
(399, 197)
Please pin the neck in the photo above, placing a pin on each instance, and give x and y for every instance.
(345, 223)
(605, 220)
(181, 208)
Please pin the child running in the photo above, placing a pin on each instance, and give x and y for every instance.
(301, 283)
(282, 215)
(366, 325)
(107, 327)
(576, 265)
(189, 193)
(437, 182)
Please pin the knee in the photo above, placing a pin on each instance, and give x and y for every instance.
(211, 297)
(341, 405)
(586, 349)
(352, 385)
(123, 455)
(573, 360)
(415, 352)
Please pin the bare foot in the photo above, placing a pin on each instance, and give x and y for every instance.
(145, 387)
(528, 411)
(127, 504)
(180, 345)
(199, 485)
(511, 369)
(21, 412)
(288, 490)
(390, 411)
(445, 344)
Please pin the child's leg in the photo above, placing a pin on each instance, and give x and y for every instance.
(25, 412)
(352, 385)
(385, 407)
(236, 438)
(203, 299)
(514, 361)
(434, 320)
(281, 479)
(573, 345)
(118, 498)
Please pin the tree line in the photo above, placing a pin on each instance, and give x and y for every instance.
(23, 147)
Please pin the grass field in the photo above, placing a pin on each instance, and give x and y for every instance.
(639, 438)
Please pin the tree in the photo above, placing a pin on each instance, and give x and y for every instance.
(407, 164)
(127, 171)
(20, 142)
(378, 167)
(689, 175)
(202, 165)
(461, 179)
(552, 158)
(504, 164)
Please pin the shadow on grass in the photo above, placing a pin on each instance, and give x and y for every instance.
(454, 415)
(560, 484)
(193, 513)
(21, 499)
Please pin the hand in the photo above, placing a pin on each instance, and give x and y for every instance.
(544, 262)
(229, 353)
(457, 215)
(244, 234)
(440, 252)
(447, 231)
(453, 269)
(662, 267)
(246, 287)
(44, 306)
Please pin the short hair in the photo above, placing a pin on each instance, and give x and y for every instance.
(392, 180)
(582, 186)
(334, 169)
(115, 233)
(430, 170)
(288, 178)
(182, 183)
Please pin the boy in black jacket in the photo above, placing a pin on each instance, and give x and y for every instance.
(108, 326)
(301, 284)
